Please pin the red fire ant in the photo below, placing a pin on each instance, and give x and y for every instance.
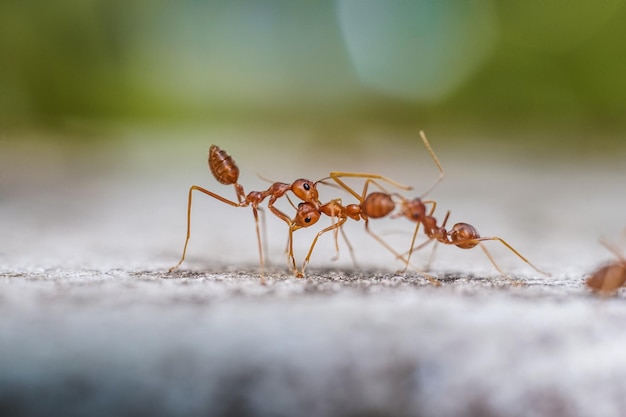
(226, 172)
(307, 215)
(381, 204)
(609, 278)
(375, 205)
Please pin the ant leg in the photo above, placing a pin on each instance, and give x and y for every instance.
(241, 195)
(336, 237)
(380, 240)
(286, 219)
(209, 193)
(337, 174)
(421, 246)
(333, 216)
(377, 184)
(258, 239)
(287, 246)
(519, 255)
(493, 262)
(264, 231)
(412, 248)
(434, 157)
(611, 248)
(431, 258)
(290, 256)
(345, 237)
(343, 234)
(295, 208)
(279, 213)
(350, 248)
(320, 233)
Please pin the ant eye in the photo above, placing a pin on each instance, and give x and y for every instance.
(307, 220)
(306, 186)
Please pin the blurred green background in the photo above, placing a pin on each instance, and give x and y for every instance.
(502, 68)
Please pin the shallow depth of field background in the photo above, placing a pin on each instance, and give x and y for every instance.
(541, 72)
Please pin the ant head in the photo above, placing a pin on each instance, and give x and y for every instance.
(305, 190)
(414, 209)
(306, 215)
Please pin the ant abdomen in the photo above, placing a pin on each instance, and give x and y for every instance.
(222, 166)
(608, 278)
(466, 234)
(377, 205)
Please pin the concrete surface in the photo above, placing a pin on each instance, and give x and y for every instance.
(92, 324)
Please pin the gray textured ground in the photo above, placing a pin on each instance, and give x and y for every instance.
(92, 324)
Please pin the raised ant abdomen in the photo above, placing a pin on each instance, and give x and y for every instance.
(222, 166)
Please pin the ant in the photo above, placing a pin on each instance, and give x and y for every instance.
(609, 278)
(226, 172)
(380, 204)
(373, 205)
(462, 235)
(308, 214)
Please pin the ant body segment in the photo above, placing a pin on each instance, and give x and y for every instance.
(226, 172)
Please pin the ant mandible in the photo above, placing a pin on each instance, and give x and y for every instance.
(226, 172)
(609, 278)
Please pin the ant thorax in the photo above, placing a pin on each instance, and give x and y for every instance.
(255, 198)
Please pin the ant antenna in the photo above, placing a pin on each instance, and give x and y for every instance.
(329, 184)
(261, 177)
(613, 249)
(434, 157)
